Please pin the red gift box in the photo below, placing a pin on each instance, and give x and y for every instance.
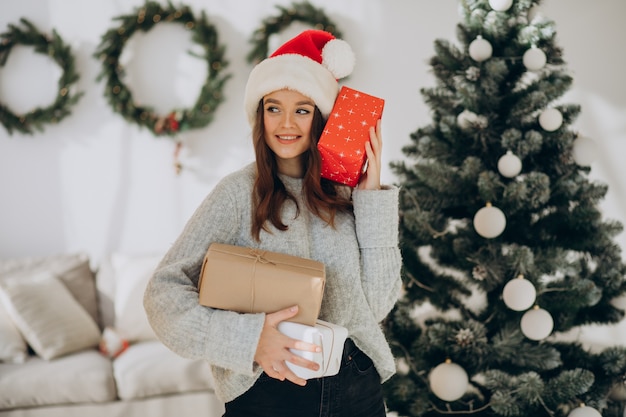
(342, 144)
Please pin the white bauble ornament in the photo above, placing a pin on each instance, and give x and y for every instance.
(466, 118)
(534, 59)
(584, 151)
(500, 5)
(509, 165)
(480, 49)
(584, 411)
(550, 119)
(532, 13)
(537, 324)
(489, 221)
(448, 381)
(519, 294)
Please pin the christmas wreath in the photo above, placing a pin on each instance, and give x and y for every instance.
(55, 48)
(301, 12)
(120, 97)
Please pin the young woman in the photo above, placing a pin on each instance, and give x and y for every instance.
(280, 203)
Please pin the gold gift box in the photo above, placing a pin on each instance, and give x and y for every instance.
(248, 280)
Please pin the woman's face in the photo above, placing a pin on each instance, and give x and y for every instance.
(288, 116)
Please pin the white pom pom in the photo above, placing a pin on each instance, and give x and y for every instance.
(338, 57)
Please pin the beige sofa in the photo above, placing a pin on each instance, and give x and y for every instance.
(52, 362)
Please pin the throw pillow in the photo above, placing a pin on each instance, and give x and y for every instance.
(132, 273)
(73, 270)
(148, 369)
(13, 348)
(48, 316)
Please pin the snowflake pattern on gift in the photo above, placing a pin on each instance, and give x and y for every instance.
(342, 144)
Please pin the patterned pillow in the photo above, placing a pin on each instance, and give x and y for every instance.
(48, 316)
(72, 269)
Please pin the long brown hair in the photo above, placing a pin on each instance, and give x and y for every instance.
(320, 194)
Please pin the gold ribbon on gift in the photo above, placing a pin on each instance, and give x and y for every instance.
(257, 255)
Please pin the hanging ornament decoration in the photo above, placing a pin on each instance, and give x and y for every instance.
(534, 59)
(509, 165)
(584, 411)
(448, 381)
(466, 119)
(500, 5)
(533, 12)
(480, 49)
(54, 47)
(537, 323)
(584, 151)
(519, 294)
(489, 221)
(302, 12)
(119, 95)
(550, 119)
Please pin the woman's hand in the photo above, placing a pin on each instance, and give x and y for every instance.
(371, 179)
(273, 349)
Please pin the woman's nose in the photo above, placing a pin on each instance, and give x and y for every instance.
(287, 119)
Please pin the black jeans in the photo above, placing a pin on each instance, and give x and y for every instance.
(354, 392)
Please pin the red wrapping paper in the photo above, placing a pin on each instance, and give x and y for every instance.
(342, 144)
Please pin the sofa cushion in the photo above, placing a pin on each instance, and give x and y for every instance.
(13, 347)
(148, 368)
(78, 378)
(50, 319)
(73, 270)
(131, 275)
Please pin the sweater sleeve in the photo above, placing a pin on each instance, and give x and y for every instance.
(377, 219)
(223, 338)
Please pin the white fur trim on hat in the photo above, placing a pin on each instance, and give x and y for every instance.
(294, 72)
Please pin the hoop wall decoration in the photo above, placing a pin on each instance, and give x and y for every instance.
(54, 47)
(119, 95)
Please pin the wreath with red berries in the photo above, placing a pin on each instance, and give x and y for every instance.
(298, 12)
(120, 97)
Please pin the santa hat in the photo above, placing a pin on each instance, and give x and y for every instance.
(311, 64)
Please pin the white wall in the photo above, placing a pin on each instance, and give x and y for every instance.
(95, 183)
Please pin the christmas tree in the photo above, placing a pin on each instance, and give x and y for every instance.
(505, 249)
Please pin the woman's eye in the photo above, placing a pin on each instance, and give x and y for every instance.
(271, 109)
(303, 111)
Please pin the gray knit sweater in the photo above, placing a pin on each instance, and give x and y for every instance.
(363, 282)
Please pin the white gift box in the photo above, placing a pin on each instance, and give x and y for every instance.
(330, 337)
